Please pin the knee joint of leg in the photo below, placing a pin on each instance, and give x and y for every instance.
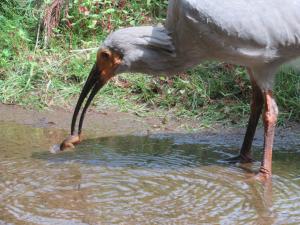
(270, 118)
(271, 115)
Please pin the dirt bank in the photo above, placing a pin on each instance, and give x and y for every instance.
(110, 123)
(103, 123)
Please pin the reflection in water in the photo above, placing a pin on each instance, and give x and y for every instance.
(137, 180)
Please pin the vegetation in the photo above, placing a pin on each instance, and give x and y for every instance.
(47, 52)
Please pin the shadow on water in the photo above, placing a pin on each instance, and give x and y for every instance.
(139, 151)
(169, 152)
(139, 179)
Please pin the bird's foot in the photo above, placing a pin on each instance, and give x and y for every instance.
(262, 176)
(239, 159)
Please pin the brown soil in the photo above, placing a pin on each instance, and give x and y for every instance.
(103, 123)
(111, 123)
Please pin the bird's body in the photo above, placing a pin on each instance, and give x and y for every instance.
(265, 23)
(258, 34)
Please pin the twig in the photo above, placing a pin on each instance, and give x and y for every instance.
(37, 36)
(75, 52)
(84, 50)
(51, 18)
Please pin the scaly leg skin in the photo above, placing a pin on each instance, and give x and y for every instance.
(256, 109)
(270, 119)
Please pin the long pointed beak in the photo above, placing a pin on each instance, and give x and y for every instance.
(93, 84)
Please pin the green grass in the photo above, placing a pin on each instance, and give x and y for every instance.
(54, 75)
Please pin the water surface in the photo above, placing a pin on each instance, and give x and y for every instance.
(139, 180)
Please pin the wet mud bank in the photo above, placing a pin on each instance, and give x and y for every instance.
(111, 123)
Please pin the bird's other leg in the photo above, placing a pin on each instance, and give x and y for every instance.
(270, 118)
(256, 109)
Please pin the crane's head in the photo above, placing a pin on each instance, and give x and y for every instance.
(136, 49)
(105, 68)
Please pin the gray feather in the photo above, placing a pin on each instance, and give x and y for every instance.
(259, 34)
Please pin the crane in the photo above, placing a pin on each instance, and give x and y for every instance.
(259, 35)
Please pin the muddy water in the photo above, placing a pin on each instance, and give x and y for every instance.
(138, 180)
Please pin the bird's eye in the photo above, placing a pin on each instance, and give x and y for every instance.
(105, 55)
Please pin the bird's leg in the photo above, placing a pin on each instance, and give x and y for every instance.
(256, 109)
(270, 118)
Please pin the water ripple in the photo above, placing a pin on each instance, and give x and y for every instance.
(116, 181)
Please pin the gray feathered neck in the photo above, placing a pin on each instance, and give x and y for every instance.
(144, 49)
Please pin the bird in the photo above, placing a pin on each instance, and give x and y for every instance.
(258, 35)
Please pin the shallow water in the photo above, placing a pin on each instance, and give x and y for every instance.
(139, 180)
